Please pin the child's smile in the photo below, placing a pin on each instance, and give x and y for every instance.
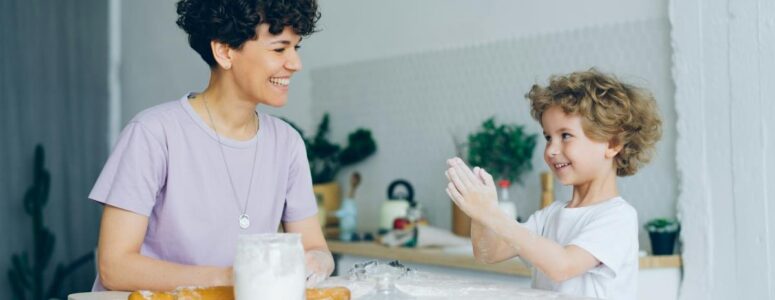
(560, 166)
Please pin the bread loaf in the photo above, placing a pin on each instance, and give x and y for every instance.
(227, 293)
(333, 293)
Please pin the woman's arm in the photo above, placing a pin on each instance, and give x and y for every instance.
(121, 266)
(319, 261)
(477, 198)
(311, 235)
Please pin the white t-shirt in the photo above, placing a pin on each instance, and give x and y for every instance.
(607, 230)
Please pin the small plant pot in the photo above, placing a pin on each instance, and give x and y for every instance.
(662, 243)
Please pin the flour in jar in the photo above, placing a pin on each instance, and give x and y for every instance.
(269, 266)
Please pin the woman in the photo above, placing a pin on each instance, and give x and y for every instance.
(188, 176)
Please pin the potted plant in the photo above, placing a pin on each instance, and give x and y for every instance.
(662, 233)
(326, 159)
(504, 150)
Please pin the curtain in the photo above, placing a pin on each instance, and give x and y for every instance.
(53, 91)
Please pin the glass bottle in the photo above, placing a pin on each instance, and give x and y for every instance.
(507, 206)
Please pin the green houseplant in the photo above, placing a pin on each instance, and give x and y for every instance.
(504, 150)
(27, 272)
(662, 233)
(327, 158)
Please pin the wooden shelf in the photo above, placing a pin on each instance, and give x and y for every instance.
(660, 261)
(437, 257)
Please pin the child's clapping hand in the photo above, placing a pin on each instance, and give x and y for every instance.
(473, 191)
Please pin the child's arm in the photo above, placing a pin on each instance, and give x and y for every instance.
(488, 246)
(558, 262)
(478, 199)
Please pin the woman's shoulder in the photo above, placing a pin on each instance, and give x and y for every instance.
(156, 120)
(280, 128)
(156, 117)
(160, 112)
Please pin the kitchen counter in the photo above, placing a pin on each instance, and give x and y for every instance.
(657, 274)
(420, 286)
(438, 257)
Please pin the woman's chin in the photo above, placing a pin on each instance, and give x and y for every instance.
(275, 103)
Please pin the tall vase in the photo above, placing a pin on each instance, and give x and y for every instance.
(461, 223)
(329, 197)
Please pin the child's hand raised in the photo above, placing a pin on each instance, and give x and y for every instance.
(473, 191)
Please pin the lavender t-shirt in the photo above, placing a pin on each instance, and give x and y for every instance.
(167, 166)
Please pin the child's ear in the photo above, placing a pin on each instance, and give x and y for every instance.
(614, 147)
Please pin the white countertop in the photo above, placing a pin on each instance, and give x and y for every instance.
(421, 286)
(440, 257)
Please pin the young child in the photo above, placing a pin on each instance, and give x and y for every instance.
(596, 128)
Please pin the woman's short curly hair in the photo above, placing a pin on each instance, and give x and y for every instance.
(610, 110)
(234, 22)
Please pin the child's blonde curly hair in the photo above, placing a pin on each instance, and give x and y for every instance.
(611, 111)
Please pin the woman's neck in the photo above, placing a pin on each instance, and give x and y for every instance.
(233, 115)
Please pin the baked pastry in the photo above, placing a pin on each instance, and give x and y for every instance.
(332, 293)
(187, 293)
(227, 293)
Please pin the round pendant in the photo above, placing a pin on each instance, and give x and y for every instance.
(244, 221)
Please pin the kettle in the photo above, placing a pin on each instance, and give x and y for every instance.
(396, 205)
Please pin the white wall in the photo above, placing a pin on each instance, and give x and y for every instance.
(358, 30)
(159, 66)
(724, 69)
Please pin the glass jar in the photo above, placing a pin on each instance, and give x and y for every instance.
(269, 266)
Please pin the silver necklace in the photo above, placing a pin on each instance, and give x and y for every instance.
(244, 219)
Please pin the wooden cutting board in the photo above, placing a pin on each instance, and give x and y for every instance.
(227, 293)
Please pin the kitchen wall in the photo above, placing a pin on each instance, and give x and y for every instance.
(157, 65)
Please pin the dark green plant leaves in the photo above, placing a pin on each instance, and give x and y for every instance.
(326, 158)
(504, 150)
